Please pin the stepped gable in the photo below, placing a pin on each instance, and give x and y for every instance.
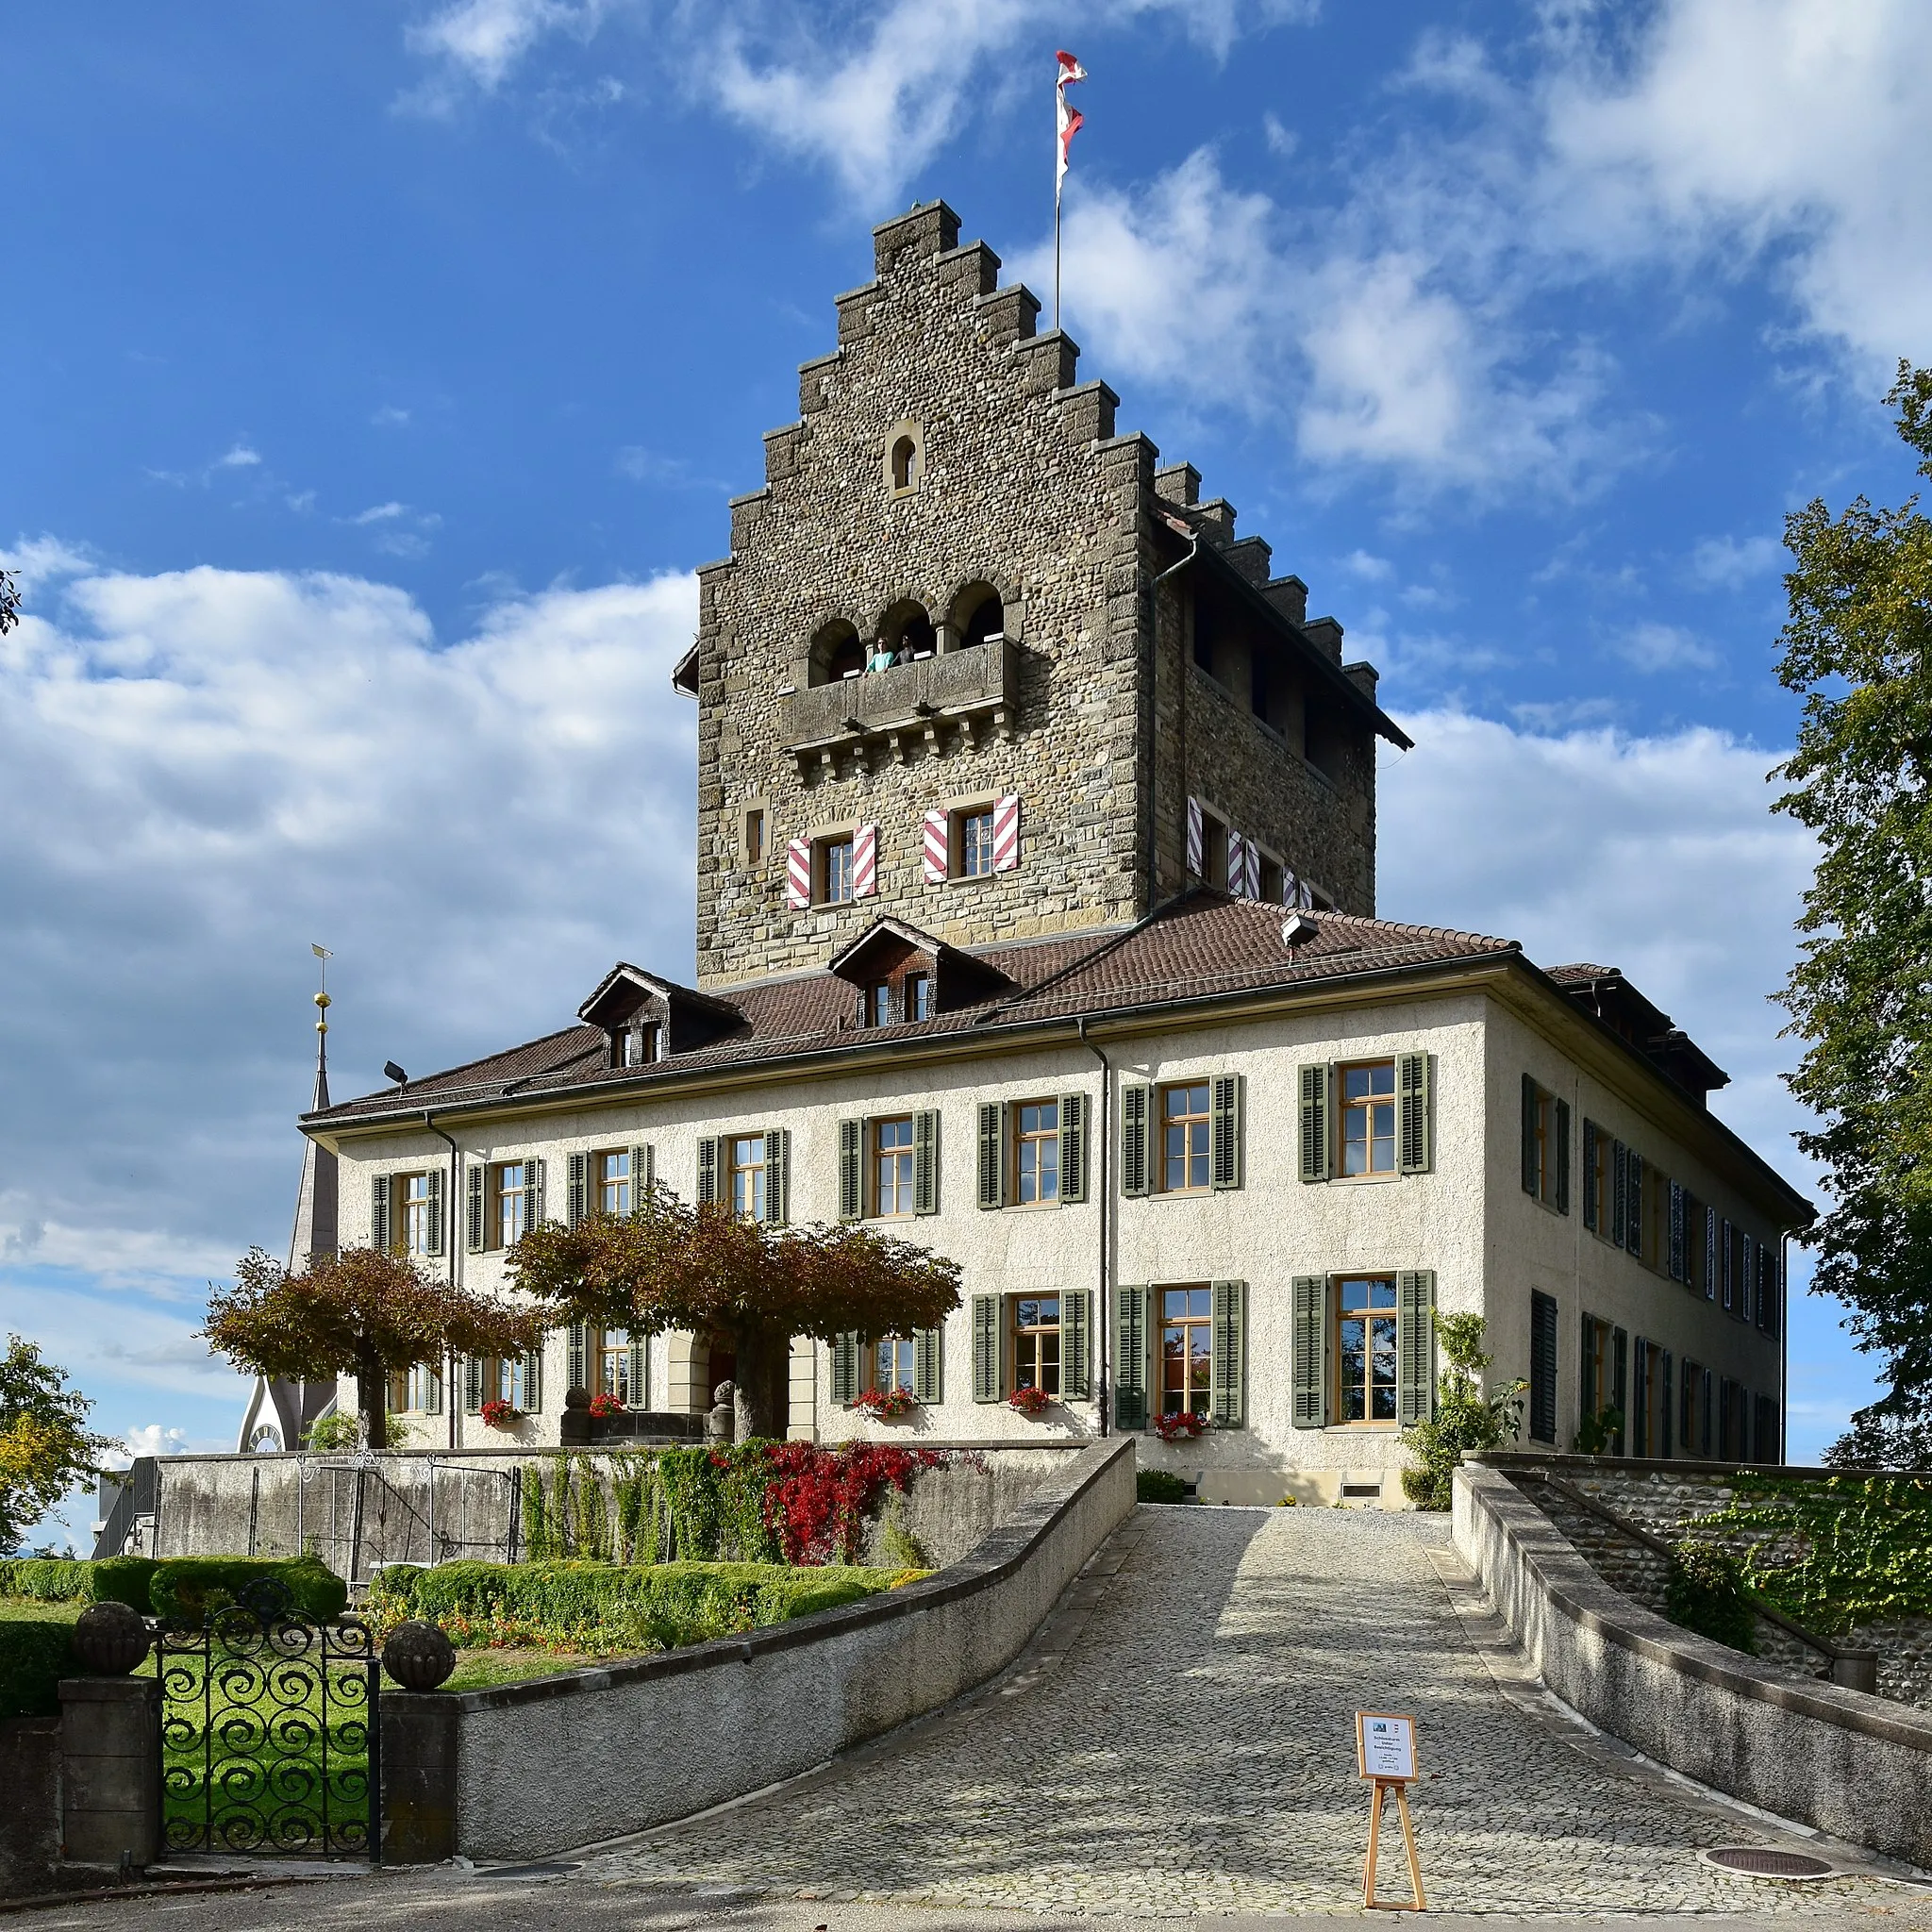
(1203, 947)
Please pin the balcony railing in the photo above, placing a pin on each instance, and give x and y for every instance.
(978, 683)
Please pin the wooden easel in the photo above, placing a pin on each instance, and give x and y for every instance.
(1388, 1760)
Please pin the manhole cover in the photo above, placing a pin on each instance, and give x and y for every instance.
(1766, 1861)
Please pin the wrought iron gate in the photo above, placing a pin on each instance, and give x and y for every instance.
(271, 1737)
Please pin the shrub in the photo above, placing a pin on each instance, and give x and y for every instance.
(35, 1652)
(1704, 1592)
(1467, 1420)
(185, 1588)
(592, 1606)
(74, 1580)
(1159, 1486)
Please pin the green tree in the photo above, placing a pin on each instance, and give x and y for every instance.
(1468, 1419)
(708, 1271)
(1856, 646)
(45, 1445)
(361, 1313)
(10, 601)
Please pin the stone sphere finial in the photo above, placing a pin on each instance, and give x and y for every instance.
(419, 1656)
(110, 1639)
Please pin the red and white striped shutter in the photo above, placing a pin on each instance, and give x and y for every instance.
(798, 875)
(1194, 837)
(1236, 861)
(1251, 881)
(1289, 883)
(934, 848)
(1005, 833)
(865, 861)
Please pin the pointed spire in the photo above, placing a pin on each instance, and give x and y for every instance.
(322, 955)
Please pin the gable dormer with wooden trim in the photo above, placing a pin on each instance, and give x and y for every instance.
(887, 963)
(645, 1017)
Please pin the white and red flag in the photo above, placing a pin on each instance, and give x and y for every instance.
(1068, 116)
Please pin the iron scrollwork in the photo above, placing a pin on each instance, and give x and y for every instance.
(271, 1739)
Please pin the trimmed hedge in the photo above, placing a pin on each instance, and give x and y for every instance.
(72, 1580)
(670, 1604)
(35, 1652)
(1159, 1486)
(185, 1588)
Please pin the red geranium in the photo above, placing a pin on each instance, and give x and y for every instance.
(1183, 1427)
(499, 1414)
(1029, 1401)
(888, 1405)
(602, 1405)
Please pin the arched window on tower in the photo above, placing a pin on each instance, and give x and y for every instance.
(985, 620)
(905, 463)
(906, 632)
(835, 653)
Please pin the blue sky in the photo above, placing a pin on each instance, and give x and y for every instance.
(374, 375)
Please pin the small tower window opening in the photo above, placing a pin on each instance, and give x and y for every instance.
(1213, 851)
(754, 837)
(834, 872)
(906, 632)
(905, 463)
(837, 652)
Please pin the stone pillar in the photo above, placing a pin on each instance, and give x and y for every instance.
(1856, 1670)
(110, 1772)
(420, 1734)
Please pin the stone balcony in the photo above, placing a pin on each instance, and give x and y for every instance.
(962, 691)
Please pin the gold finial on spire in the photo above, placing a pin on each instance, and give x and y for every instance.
(322, 956)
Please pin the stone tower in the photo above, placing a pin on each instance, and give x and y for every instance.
(978, 662)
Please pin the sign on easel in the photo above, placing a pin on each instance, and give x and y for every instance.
(1385, 1755)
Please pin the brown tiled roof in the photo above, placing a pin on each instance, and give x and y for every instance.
(1579, 972)
(1200, 948)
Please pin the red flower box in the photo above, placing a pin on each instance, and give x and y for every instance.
(888, 1405)
(1184, 1427)
(602, 1405)
(1029, 1401)
(499, 1414)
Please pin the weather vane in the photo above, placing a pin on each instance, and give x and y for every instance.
(322, 956)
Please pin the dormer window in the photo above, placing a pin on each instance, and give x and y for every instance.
(878, 1003)
(638, 1045)
(919, 995)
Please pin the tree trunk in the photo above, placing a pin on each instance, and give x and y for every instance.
(371, 1398)
(763, 1357)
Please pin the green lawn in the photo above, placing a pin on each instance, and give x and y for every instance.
(31, 1609)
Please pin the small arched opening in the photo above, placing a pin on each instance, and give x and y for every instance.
(905, 462)
(835, 652)
(979, 616)
(906, 632)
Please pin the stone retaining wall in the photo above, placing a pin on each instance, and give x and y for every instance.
(1853, 1765)
(29, 1804)
(566, 1760)
(1666, 1499)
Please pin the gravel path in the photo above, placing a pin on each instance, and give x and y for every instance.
(1192, 1753)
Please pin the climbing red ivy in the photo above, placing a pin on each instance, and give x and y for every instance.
(817, 1500)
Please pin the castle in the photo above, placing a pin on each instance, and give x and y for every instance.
(1035, 861)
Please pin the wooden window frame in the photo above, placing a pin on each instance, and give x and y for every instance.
(410, 1211)
(1203, 1120)
(1162, 1323)
(1216, 840)
(918, 993)
(1020, 1140)
(500, 1194)
(600, 1349)
(1344, 1109)
(905, 1161)
(754, 835)
(408, 1384)
(962, 848)
(1338, 1315)
(1017, 1333)
(822, 866)
(602, 1185)
(885, 1384)
(733, 1167)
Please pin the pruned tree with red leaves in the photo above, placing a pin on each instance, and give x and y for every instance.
(362, 1312)
(708, 1271)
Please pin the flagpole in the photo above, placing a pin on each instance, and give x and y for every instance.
(1056, 257)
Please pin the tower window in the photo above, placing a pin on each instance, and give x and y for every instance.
(975, 845)
(835, 870)
(754, 837)
(986, 621)
(905, 464)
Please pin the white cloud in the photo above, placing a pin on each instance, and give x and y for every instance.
(1728, 564)
(239, 456)
(390, 417)
(149, 1439)
(1651, 647)
(380, 514)
(484, 40)
(1371, 569)
(201, 771)
(1281, 140)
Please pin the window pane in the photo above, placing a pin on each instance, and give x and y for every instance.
(838, 870)
(1382, 1368)
(975, 845)
(918, 997)
(1354, 1369)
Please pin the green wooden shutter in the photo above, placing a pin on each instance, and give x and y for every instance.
(845, 1368)
(1619, 1383)
(1619, 1169)
(533, 1199)
(778, 1176)
(379, 1212)
(1532, 1180)
(926, 1162)
(993, 1154)
(477, 1228)
(988, 1368)
(1130, 1358)
(1586, 1402)
(1135, 1108)
(1680, 1252)
(1590, 1175)
(1562, 1111)
(577, 1369)
(432, 1392)
(1415, 1347)
(640, 1366)
(928, 1360)
(1633, 1202)
(1638, 1420)
(1314, 1118)
(1073, 1147)
(1310, 1338)
(707, 1170)
(1077, 1377)
(643, 1176)
(1704, 1413)
(1412, 1083)
(1227, 1360)
(1663, 1448)
(577, 1202)
(1225, 1132)
(851, 1170)
(533, 1382)
(433, 1241)
(472, 1384)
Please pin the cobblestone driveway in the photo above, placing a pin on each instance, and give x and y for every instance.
(1193, 1753)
